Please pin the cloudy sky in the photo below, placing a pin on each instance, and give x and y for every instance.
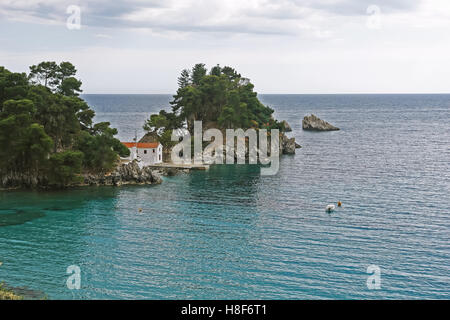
(283, 46)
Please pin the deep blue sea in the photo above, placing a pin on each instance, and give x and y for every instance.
(230, 233)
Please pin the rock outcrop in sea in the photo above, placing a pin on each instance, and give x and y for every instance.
(313, 123)
(288, 145)
(287, 127)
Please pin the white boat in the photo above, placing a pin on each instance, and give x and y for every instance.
(330, 208)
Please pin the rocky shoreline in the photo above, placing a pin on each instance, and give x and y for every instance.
(20, 293)
(124, 174)
(7, 294)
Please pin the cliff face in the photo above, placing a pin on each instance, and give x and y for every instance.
(16, 180)
(124, 174)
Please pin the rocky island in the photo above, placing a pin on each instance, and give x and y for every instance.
(220, 98)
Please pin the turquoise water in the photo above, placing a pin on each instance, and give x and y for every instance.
(231, 233)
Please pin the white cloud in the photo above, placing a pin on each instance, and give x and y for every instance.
(287, 46)
(205, 16)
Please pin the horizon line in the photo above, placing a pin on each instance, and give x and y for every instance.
(364, 93)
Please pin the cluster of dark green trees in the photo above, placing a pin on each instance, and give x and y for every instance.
(47, 130)
(221, 98)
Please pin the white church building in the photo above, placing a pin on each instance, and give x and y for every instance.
(145, 153)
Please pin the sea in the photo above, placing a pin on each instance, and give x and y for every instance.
(231, 233)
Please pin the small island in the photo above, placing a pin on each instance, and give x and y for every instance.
(220, 98)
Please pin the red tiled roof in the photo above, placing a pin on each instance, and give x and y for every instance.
(141, 145)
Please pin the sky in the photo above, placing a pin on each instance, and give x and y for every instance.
(283, 46)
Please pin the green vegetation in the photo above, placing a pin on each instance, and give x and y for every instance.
(221, 98)
(47, 130)
(6, 294)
